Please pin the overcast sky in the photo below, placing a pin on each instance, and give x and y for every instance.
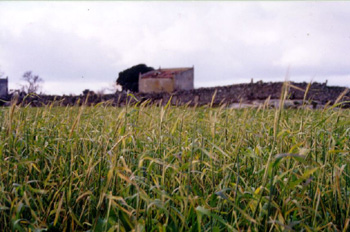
(79, 45)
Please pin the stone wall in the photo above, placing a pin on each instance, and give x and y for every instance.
(241, 93)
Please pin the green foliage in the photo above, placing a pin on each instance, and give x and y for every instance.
(173, 169)
(129, 78)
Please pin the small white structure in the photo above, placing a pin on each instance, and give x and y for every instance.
(166, 80)
(3, 87)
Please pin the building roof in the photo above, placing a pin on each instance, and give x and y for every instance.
(164, 73)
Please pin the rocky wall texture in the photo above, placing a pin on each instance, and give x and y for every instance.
(240, 93)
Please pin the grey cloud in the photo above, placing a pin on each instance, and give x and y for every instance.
(225, 41)
(58, 55)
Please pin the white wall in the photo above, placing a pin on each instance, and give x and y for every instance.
(156, 85)
(3, 87)
(184, 80)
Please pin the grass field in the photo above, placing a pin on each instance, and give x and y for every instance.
(174, 169)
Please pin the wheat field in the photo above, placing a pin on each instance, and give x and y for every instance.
(165, 168)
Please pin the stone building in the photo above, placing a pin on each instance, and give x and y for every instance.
(166, 80)
(3, 87)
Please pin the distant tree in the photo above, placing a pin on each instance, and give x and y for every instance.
(33, 82)
(88, 91)
(129, 78)
(101, 92)
(113, 87)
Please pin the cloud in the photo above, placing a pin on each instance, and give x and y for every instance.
(227, 42)
(61, 56)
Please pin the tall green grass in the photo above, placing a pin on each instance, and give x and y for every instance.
(166, 168)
